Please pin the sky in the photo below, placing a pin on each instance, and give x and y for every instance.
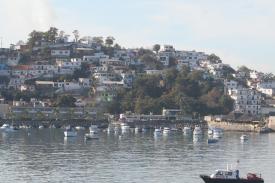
(241, 32)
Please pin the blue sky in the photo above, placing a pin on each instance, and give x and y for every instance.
(241, 32)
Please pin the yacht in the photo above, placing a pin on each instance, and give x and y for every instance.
(197, 130)
(187, 130)
(70, 132)
(166, 130)
(231, 176)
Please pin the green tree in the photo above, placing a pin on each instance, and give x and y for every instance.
(66, 101)
(156, 48)
(214, 58)
(76, 35)
(109, 41)
(51, 34)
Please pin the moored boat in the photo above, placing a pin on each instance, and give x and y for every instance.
(197, 130)
(70, 132)
(166, 130)
(187, 130)
(244, 137)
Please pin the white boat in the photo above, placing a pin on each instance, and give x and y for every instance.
(80, 128)
(138, 130)
(70, 132)
(93, 129)
(210, 131)
(244, 137)
(124, 126)
(89, 136)
(166, 130)
(187, 130)
(157, 132)
(5, 126)
(197, 130)
(41, 127)
(217, 133)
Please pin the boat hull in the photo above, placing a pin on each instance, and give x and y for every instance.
(208, 179)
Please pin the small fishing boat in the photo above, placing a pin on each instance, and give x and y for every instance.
(231, 176)
(70, 132)
(166, 130)
(187, 130)
(210, 131)
(89, 136)
(138, 130)
(212, 140)
(197, 130)
(80, 128)
(93, 129)
(157, 132)
(244, 137)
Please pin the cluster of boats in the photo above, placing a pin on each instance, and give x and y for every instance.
(93, 132)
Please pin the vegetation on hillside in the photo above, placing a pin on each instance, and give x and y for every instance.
(187, 90)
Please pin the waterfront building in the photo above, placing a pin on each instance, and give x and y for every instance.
(246, 100)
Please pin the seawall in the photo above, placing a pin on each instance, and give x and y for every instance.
(235, 126)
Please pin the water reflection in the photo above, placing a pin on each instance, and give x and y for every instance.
(46, 156)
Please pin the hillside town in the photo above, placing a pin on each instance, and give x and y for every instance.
(54, 75)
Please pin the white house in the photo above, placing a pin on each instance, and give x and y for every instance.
(246, 100)
(60, 53)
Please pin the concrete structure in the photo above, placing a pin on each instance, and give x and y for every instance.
(271, 122)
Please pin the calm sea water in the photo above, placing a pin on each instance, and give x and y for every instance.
(46, 156)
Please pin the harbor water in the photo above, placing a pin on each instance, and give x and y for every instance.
(44, 155)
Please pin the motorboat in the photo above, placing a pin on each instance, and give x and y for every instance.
(157, 132)
(197, 130)
(187, 130)
(138, 130)
(89, 136)
(231, 176)
(210, 131)
(217, 133)
(212, 140)
(166, 130)
(244, 137)
(41, 127)
(80, 128)
(93, 129)
(124, 126)
(5, 126)
(70, 132)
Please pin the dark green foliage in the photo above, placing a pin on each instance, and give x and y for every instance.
(66, 101)
(83, 72)
(183, 89)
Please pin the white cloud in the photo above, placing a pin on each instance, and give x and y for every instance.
(19, 17)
